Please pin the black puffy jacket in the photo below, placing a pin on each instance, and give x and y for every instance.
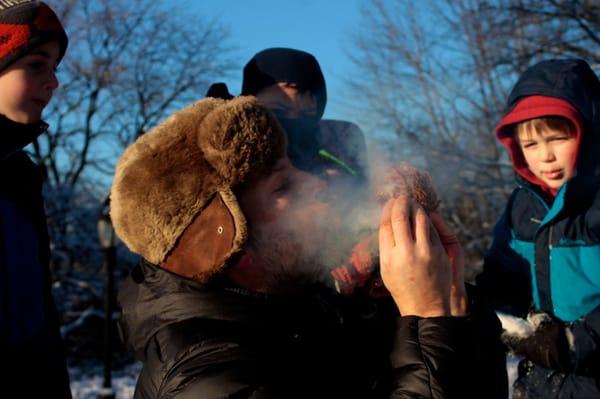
(201, 342)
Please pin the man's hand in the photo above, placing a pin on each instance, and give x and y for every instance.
(414, 265)
(458, 294)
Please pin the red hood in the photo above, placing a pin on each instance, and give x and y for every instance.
(530, 108)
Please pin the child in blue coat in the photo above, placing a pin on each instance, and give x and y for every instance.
(32, 43)
(545, 258)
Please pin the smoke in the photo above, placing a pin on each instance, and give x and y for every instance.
(326, 220)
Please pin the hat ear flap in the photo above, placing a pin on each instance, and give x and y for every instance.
(161, 182)
(217, 232)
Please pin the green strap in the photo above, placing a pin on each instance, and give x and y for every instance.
(326, 154)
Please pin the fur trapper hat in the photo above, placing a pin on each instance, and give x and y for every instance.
(173, 201)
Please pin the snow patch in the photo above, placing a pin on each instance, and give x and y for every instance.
(516, 326)
(512, 363)
(87, 384)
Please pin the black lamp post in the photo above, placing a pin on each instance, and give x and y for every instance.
(107, 238)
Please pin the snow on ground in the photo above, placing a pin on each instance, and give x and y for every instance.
(87, 385)
(511, 367)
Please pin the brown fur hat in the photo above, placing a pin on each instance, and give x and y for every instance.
(174, 186)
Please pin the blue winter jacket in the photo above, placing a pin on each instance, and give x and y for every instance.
(30, 342)
(548, 254)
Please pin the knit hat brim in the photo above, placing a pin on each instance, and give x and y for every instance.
(26, 26)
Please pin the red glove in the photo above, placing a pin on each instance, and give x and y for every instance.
(360, 270)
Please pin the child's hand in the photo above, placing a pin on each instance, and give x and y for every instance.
(545, 344)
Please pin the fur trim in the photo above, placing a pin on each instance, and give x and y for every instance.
(156, 191)
(240, 139)
(241, 226)
(515, 326)
(167, 176)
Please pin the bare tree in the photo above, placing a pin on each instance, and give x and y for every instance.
(129, 64)
(529, 30)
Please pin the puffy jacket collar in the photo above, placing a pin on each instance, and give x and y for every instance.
(14, 136)
(152, 298)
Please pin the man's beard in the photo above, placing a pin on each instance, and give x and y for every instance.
(304, 249)
(288, 259)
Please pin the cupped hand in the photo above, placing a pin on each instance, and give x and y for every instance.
(415, 267)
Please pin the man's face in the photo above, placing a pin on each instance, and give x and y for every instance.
(291, 224)
(27, 85)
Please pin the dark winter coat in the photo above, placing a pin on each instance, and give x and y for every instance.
(549, 253)
(30, 343)
(201, 342)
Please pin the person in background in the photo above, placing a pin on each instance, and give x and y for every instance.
(291, 84)
(33, 43)
(543, 262)
(230, 299)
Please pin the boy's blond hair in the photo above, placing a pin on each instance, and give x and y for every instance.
(544, 125)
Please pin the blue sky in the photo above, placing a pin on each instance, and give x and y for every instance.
(321, 27)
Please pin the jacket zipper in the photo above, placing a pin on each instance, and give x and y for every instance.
(539, 222)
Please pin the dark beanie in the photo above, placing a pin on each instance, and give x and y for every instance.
(274, 65)
(24, 25)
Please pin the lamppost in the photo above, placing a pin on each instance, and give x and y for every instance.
(107, 238)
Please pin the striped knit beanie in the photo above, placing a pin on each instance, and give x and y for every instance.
(24, 25)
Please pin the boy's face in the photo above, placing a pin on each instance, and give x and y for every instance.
(550, 155)
(27, 85)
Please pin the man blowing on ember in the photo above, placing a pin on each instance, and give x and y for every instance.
(232, 298)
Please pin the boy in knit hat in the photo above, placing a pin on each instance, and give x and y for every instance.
(32, 43)
(229, 301)
(546, 246)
